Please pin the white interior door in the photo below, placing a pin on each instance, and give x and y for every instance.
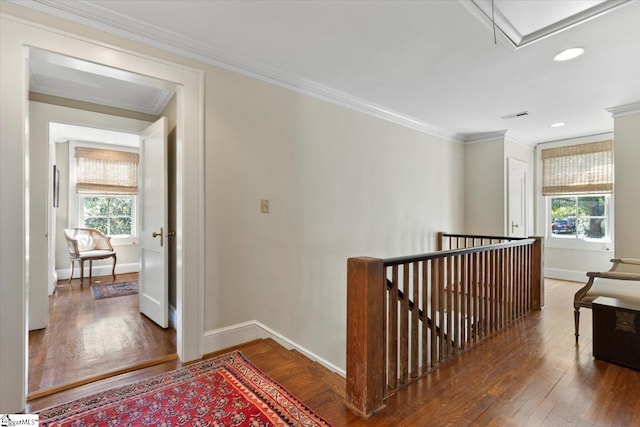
(152, 223)
(517, 221)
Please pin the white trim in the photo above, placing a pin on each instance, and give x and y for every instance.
(229, 336)
(89, 14)
(98, 270)
(624, 110)
(571, 275)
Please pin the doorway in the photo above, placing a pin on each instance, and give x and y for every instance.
(88, 336)
(517, 198)
(17, 242)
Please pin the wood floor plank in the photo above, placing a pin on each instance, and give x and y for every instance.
(88, 337)
(532, 374)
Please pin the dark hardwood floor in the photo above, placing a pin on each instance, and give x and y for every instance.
(88, 337)
(532, 374)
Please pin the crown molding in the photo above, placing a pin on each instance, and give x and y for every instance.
(476, 138)
(91, 15)
(624, 110)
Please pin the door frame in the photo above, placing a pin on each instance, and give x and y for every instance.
(16, 37)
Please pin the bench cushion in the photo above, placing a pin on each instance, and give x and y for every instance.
(626, 290)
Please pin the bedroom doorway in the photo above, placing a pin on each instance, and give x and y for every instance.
(85, 337)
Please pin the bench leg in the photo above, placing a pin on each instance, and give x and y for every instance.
(576, 318)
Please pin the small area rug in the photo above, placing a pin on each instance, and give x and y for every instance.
(111, 290)
(224, 391)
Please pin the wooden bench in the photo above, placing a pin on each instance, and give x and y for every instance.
(621, 281)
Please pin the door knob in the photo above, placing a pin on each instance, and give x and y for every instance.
(160, 234)
(513, 226)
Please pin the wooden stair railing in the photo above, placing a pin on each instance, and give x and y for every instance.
(407, 315)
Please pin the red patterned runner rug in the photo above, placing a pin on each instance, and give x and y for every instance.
(224, 391)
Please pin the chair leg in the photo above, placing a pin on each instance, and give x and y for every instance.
(81, 273)
(576, 318)
(73, 264)
(113, 271)
(90, 271)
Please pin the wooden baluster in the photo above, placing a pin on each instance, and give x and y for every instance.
(466, 288)
(441, 308)
(511, 304)
(450, 295)
(404, 326)
(392, 373)
(492, 290)
(501, 285)
(434, 311)
(414, 320)
(425, 318)
(457, 294)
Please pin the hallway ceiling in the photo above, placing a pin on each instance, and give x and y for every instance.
(431, 65)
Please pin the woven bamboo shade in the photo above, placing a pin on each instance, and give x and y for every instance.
(578, 169)
(100, 171)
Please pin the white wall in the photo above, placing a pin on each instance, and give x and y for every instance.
(627, 185)
(340, 184)
(484, 187)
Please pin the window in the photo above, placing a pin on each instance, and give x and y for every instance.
(106, 182)
(112, 215)
(584, 217)
(578, 183)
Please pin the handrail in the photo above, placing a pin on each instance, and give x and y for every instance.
(454, 252)
(481, 236)
(406, 315)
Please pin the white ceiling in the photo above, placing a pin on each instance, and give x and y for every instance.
(432, 65)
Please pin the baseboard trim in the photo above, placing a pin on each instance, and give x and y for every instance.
(240, 333)
(572, 275)
(99, 270)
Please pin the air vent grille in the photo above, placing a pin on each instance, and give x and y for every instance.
(515, 115)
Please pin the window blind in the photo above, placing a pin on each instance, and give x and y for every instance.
(578, 169)
(100, 171)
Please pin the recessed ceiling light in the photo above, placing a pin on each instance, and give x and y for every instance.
(568, 54)
(558, 124)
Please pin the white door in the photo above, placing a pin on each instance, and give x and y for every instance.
(152, 223)
(517, 215)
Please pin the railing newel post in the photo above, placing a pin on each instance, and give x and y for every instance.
(365, 382)
(537, 273)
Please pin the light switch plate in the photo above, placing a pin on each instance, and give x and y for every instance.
(264, 205)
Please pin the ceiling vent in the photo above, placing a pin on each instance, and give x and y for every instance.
(515, 115)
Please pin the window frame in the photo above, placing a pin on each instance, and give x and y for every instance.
(575, 240)
(134, 200)
(74, 213)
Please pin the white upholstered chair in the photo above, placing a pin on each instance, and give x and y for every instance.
(88, 244)
(621, 281)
